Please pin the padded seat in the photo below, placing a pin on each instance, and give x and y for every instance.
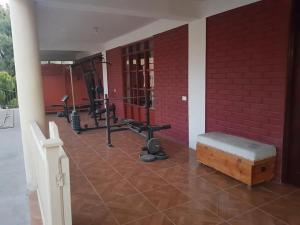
(241, 147)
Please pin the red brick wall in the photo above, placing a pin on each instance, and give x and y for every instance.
(56, 83)
(80, 91)
(171, 82)
(247, 71)
(115, 79)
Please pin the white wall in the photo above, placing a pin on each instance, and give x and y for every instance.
(196, 80)
(147, 31)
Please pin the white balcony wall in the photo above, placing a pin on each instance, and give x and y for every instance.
(52, 176)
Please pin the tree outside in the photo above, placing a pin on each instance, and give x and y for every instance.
(8, 96)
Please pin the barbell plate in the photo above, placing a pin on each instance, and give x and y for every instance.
(154, 145)
(148, 158)
(161, 155)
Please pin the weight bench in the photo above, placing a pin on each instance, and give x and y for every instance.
(248, 161)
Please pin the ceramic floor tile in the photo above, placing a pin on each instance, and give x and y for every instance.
(280, 189)
(284, 209)
(223, 204)
(196, 187)
(147, 181)
(129, 170)
(199, 169)
(221, 180)
(93, 215)
(110, 191)
(255, 196)
(174, 174)
(98, 175)
(192, 213)
(294, 197)
(156, 219)
(188, 191)
(255, 217)
(160, 164)
(131, 208)
(166, 197)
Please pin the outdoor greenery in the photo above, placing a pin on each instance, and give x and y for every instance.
(7, 90)
(8, 97)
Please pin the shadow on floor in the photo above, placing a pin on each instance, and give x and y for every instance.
(111, 186)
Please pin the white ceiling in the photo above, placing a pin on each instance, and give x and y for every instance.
(72, 26)
(77, 30)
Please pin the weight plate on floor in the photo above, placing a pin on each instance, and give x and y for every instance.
(161, 155)
(148, 158)
(153, 145)
(143, 153)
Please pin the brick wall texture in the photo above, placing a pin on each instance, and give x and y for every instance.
(57, 83)
(171, 82)
(247, 51)
(115, 78)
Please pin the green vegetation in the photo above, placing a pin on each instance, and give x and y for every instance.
(7, 90)
(8, 96)
(6, 46)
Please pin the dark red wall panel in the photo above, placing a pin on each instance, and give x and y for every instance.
(54, 84)
(115, 79)
(57, 83)
(171, 82)
(247, 70)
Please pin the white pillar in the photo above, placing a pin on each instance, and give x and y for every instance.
(104, 73)
(197, 65)
(28, 76)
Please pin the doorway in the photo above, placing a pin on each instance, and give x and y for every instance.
(291, 173)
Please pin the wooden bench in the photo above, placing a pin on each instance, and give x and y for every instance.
(248, 161)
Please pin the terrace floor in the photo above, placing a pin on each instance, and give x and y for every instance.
(113, 187)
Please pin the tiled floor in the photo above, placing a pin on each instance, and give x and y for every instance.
(111, 186)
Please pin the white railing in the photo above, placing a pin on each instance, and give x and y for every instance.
(52, 176)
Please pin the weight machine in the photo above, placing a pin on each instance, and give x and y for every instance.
(96, 109)
(153, 149)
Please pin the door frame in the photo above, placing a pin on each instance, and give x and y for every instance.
(289, 90)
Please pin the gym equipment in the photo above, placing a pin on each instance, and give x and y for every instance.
(147, 157)
(65, 99)
(94, 91)
(153, 145)
(153, 149)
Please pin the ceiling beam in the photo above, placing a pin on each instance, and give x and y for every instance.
(158, 9)
(212, 7)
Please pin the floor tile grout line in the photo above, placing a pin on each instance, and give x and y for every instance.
(196, 177)
(281, 195)
(130, 156)
(96, 192)
(124, 196)
(256, 208)
(272, 216)
(99, 196)
(243, 200)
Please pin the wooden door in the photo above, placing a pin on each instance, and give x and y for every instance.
(292, 167)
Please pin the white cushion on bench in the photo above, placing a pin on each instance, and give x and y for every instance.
(242, 147)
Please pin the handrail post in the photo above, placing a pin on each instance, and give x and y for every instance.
(107, 115)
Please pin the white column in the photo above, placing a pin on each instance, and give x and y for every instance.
(104, 73)
(197, 67)
(28, 76)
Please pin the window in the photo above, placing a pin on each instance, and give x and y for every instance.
(138, 72)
